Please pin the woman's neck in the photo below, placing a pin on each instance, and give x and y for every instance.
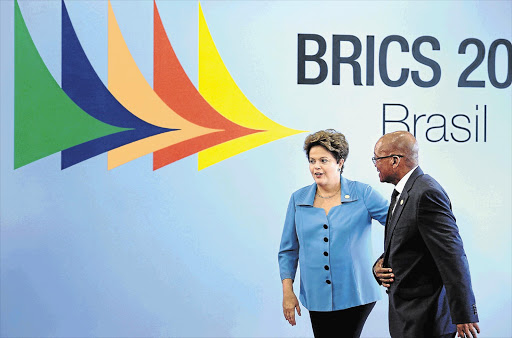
(328, 189)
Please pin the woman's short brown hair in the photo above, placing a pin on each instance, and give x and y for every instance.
(332, 140)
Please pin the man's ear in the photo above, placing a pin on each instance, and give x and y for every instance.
(396, 161)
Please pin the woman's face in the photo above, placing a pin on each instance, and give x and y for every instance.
(323, 166)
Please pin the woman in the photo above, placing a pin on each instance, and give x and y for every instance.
(327, 229)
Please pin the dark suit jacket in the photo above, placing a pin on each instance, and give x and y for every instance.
(432, 287)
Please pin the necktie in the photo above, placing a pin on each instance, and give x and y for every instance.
(394, 195)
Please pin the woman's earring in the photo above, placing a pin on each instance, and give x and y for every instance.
(339, 169)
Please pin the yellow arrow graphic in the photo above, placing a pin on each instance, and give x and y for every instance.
(220, 90)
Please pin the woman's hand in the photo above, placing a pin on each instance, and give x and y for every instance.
(290, 302)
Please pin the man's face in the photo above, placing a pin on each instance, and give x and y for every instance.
(385, 165)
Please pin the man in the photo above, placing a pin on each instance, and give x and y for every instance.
(423, 267)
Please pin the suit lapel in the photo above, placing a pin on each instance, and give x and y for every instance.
(400, 206)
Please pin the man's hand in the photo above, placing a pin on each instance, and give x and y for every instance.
(468, 330)
(385, 275)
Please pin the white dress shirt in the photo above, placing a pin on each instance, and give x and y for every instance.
(401, 184)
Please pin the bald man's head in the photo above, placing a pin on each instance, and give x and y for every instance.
(404, 147)
(401, 143)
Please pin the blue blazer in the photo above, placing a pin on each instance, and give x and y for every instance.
(334, 250)
(432, 288)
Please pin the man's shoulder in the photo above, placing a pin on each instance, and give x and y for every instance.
(427, 185)
(427, 182)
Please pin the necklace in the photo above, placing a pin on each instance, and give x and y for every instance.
(326, 197)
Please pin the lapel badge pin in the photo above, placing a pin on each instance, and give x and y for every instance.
(401, 202)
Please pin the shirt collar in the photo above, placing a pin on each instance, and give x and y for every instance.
(401, 184)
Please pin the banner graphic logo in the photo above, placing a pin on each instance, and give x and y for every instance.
(128, 118)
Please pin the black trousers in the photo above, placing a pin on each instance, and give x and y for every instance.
(347, 323)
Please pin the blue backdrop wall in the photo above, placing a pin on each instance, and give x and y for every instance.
(191, 250)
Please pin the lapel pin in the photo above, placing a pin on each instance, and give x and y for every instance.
(401, 202)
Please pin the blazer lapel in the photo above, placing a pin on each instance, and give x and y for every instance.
(400, 206)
